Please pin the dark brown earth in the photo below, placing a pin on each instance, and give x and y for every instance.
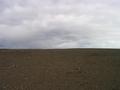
(66, 69)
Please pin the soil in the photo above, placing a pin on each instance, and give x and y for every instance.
(60, 69)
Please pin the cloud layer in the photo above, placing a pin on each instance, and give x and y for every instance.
(59, 24)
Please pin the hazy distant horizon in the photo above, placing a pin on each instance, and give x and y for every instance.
(51, 24)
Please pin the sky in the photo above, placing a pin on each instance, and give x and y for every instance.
(59, 24)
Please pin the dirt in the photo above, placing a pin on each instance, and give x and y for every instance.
(65, 69)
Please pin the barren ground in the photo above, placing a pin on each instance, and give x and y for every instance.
(66, 69)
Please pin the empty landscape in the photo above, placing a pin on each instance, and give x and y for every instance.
(60, 69)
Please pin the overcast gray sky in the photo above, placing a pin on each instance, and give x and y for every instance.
(59, 23)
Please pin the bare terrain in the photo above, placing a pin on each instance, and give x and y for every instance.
(65, 69)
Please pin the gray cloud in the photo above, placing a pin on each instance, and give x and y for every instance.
(59, 23)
